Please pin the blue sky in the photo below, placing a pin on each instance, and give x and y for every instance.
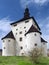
(13, 10)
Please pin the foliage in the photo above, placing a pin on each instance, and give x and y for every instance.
(36, 55)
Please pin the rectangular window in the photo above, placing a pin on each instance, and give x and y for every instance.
(24, 27)
(20, 38)
(16, 29)
(26, 21)
(8, 40)
(4, 48)
(15, 24)
(21, 32)
(16, 33)
(25, 30)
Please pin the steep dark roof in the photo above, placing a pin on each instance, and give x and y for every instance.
(42, 40)
(33, 29)
(9, 35)
(23, 19)
(26, 16)
(0, 49)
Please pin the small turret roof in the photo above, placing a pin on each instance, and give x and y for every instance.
(42, 40)
(26, 16)
(26, 13)
(33, 29)
(9, 35)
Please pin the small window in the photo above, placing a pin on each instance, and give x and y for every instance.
(8, 40)
(3, 41)
(22, 54)
(35, 44)
(35, 34)
(24, 27)
(26, 21)
(16, 33)
(25, 30)
(21, 47)
(16, 29)
(15, 24)
(4, 48)
(20, 39)
(43, 43)
(21, 32)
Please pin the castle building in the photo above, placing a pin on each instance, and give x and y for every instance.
(24, 36)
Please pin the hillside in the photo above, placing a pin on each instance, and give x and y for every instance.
(14, 60)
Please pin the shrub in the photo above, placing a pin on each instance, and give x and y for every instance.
(36, 55)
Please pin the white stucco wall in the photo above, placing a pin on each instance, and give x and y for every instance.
(44, 48)
(20, 27)
(31, 40)
(8, 47)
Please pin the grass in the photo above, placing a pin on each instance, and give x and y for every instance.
(14, 60)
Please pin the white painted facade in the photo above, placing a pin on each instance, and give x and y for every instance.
(8, 47)
(32, 40)
(22, 43)
(44, 48)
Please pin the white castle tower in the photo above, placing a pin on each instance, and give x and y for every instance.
(24, 36)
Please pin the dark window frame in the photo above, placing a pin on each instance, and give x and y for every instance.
(24, 27)
(25, 30)
(3, 40)
(20, 39)
(35, 34)
(4, 48)
(15, 25)
(9, 40)
(16, 29)
(35, 44)
(26, 21)
(21, 47)
(16, 33)
(20, 32)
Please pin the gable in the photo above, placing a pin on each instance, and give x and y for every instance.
(9, 35)
(42, 40)
(33, 29)
(23, 19)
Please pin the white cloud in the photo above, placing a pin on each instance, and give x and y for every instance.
(4, 28)
(5, 24)
(27, 2)
(40, 1)
(45, 29)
